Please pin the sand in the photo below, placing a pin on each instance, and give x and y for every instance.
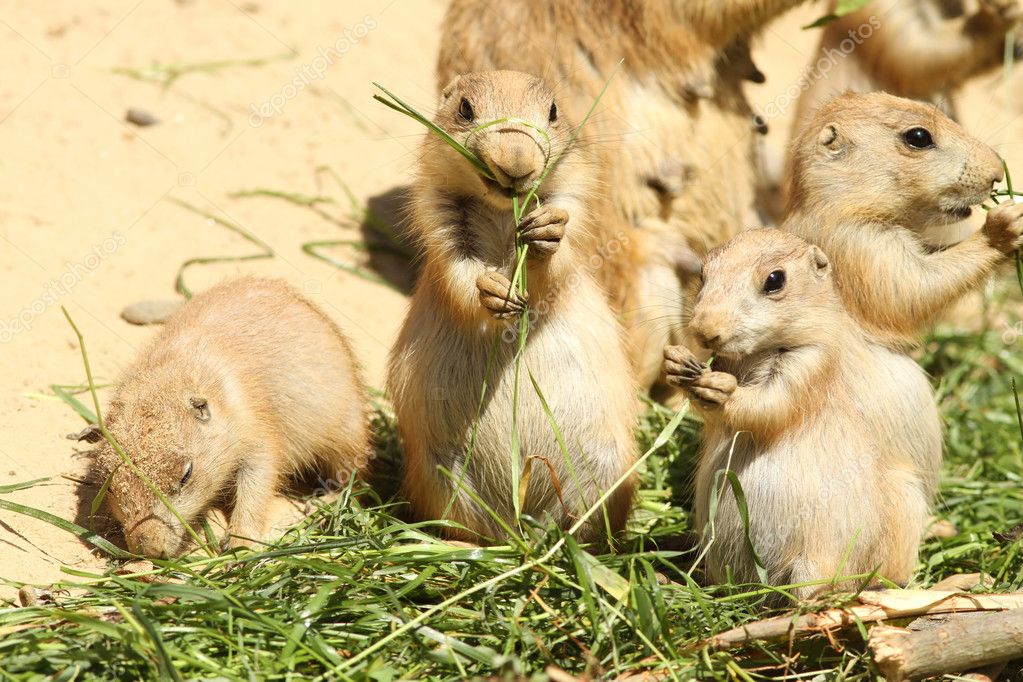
(270, 93)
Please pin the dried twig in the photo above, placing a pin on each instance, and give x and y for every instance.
(960, 644)
(873, 607)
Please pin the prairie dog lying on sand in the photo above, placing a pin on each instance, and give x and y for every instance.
(247, 383)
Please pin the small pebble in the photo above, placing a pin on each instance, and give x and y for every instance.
(27, 596)
(141, 118)
(151, 312)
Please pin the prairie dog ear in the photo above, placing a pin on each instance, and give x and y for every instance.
(835, 144)
(200, 408)
(822, 266)
(448, 90)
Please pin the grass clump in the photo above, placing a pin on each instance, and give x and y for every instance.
(356, 592)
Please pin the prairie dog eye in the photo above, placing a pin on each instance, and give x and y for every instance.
(553, 116)
(465, 110)
(187, 474)
(775, 282)
(918, 138)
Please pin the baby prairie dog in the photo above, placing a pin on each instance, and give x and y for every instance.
(872, 172)
(463, 321)
(812, 417)
(247, 383)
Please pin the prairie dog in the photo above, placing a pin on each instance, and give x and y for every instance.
(870, 173)
(919, 49)
(247, 383)
(812, 416)
(463, 310)
(673, 132)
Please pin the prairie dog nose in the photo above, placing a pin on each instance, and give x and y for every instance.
(706, 340)
(513, 156)
(148, 542)
(704, 332)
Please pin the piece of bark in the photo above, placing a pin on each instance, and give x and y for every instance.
(962, 644)
(871, 607)
(962, 582)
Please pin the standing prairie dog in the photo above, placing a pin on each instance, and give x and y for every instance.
(812, 417)
(247, 383)
(870, 173)
(463, 319)
(673, 132)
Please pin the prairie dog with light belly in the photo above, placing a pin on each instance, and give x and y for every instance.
(673, 132)
(811, 415)
(246, 384)
(463, 318)
(871, 172)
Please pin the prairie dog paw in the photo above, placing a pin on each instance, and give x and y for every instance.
(543, 229)
(681, 368)
(1004, 227)
(713, 388)
(497, 296)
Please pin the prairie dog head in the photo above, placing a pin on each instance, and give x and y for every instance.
(511, 121)
(879, 157)
(764, 291)
(179, 440)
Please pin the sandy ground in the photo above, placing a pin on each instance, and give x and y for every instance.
(88, 218)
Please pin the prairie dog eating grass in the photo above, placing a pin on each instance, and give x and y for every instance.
(813, 418)
(461, 333)
(247, 383)
(870, 174)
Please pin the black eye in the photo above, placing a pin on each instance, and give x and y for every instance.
(554, 113)
(465, 110)
(188, 474)
(918, 138)
(774, 282)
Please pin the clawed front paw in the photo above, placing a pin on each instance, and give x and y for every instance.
(1004, 227)
(713, 388)
(682, 369)
(497, 296)
(543, 229)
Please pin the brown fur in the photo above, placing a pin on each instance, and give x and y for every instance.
(439, 363)
(674, 133)
(919, 49)
(865, 196)
(247, 383)
(813, 417)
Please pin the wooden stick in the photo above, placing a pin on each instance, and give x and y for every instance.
(872, 607)
(961, 644)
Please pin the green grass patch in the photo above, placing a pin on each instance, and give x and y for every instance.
(355, 591)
